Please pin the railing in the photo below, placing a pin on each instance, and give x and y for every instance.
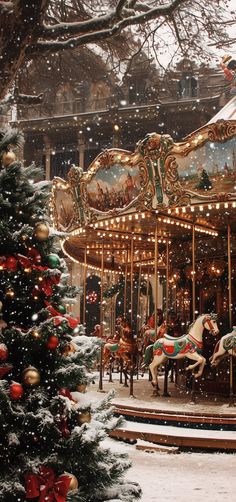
(90, 105)
(76, 106)
(62, 108)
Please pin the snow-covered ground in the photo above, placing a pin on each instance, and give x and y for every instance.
(169, 477)
(179, 401)
(186, 477)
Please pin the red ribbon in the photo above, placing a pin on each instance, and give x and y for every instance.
(46, 486)
(4, 370)
(46, 284)
(73, 323)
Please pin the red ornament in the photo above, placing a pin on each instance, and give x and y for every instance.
(16, 391)
(52, 343)
(11, 263)
(3, 352)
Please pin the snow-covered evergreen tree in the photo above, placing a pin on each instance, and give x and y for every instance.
(51, 435)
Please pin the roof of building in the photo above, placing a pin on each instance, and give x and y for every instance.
(228, 112)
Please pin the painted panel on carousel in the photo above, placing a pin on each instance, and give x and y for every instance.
(116, 181)
(203, 168)
(67, 208)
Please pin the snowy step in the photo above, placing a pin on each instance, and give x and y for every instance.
(178, 436)
(204, 420)
(153, 448)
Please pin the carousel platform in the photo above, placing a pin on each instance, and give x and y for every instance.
(207, 424)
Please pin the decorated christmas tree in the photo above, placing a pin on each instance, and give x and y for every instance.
(52, 444)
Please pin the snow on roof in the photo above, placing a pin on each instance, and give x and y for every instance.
(228, 112)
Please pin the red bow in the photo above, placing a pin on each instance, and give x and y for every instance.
(46, 486)
(11, 262)
(47, 283)
(73, 323)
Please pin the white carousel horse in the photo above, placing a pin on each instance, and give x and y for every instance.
(189, 345)
(226, 344)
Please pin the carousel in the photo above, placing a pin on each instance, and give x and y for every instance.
(157, 227)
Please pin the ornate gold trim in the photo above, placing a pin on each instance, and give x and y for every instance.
(177, 193)
(105, 161)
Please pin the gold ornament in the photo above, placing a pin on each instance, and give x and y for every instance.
(10, 293)
(35, 334)
(69, 349)
(41, 231)
(8, 158)
(74, 485)
(31, 376)
(84, 417)
(81, 388)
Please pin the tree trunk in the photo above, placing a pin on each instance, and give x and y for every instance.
(19, 28)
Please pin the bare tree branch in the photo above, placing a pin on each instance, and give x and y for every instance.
(155, 13)
(38, 27)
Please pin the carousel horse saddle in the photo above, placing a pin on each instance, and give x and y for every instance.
(169, 337)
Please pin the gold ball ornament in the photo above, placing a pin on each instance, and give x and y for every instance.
(81, 388)
(69, 349)
(84, 417)
(74, 485)
(8, 158)
(41, 231)
(31, 376)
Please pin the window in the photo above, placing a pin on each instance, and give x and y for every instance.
(188, 87)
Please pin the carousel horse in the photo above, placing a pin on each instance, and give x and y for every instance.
(189, 345)
(124, 348)
(150, 336)
(226, 344)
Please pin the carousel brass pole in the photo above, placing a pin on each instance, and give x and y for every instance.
(193, 274)
(125, 290)
(113, 303)
(147, 297)
(156, 276)
(101, 319)
(167, 281)
(165, 391)
(155, 391)
(193, 392)
(132, 279)
(231, 383)
(131, 389)
(85, 274)
(139, 292)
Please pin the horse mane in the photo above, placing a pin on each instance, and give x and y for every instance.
(192, 323)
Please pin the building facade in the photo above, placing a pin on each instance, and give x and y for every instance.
(84, 112)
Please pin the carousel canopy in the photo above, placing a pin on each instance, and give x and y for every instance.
(228, 112)
(161, 190)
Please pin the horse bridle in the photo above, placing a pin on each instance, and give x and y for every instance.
(208, 320)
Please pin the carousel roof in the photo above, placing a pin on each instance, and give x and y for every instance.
(161, 190)
(228, 112)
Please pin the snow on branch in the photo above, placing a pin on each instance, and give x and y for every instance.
(67, 29)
